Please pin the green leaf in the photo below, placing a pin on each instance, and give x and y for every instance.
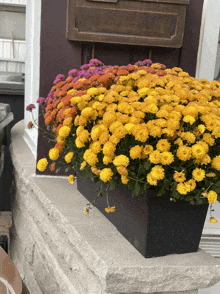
(147, 165)
(137, 189)
(161, 192)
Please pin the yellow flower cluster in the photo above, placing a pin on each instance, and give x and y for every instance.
(158, 127)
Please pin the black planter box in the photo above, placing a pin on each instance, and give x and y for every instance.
(154, 225)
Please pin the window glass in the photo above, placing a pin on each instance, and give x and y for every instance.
(12, 23)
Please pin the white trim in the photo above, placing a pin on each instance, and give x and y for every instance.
(32, 68)
(30, 138)
(209, 33)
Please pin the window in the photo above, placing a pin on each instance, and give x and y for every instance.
(12, 22)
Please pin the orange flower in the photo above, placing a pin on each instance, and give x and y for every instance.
(69, 79)
(122, 72)
(48, 120)
(60, 84)
(30, 125)
(52, 167)
(59, 147)
(66, 99)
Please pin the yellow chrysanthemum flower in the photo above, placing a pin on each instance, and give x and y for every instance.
(212, 220)
(189, 119)
(181, 188)
(79, 144)
(95, 147)
(84, 136)
(166, 158)
(109, 149)
(135, 152)
(122, 170)
(124, 180)
(147, 149)
(179, 177)
(87, 112)
(106, 175)
(71, 179)
(91, 159)
(198, 174)
(68, 122)
(107, 159)
(216, 162)
(64, 131)
(211, 175)
(83, 165)
(154, 157)
(201, 128)
(121, 160)
(198, 151)
(212, 197)
(60, 140)
(157, 172)
(192, 184)
(54, 153)
(109, 117)
(93, 91)
(208, 139)
(69, 157)
(189, 137)
(163, 145)
(42, 164)
(95, 170)
(151, 180)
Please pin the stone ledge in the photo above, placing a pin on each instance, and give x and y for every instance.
(75, 244)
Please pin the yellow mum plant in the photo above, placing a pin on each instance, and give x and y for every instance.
(142, 126)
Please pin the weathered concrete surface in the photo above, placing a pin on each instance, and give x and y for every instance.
(58, 249)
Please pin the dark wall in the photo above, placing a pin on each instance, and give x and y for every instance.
(58, 55)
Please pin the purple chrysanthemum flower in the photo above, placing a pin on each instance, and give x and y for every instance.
(88, 74)
(46, 100)
(81, 74)
(73, 73)
(75, 79)
(139, 63)
(95, 62)
(85, 66)
(50, 95)
(41, 101)
(98, 71)
(59, 78)
(147, 61)
(128, 65)
(30, 107)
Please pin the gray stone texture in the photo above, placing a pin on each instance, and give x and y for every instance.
(58, 249)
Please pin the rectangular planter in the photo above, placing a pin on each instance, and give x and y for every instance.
(154, 225)
(140, 22)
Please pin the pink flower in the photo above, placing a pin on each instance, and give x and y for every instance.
(30, 107)
(41, 101)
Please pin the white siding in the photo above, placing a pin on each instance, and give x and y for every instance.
(23, 2)
(6, 49)
(32, 68)
(208, 44)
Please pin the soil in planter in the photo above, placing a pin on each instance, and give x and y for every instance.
(154, 225)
